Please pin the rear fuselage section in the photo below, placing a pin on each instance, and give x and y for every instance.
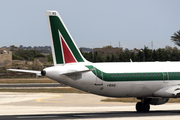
(131, 79)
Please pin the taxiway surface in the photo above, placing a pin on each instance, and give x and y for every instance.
(76, 106)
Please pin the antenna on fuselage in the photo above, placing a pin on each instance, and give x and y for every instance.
(131, 60)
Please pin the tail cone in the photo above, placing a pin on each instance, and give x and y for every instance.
(43, 72)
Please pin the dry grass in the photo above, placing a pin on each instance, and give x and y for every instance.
(174, 100)
(4, 81)
(120, 100)
(45, 90)
(171, 100)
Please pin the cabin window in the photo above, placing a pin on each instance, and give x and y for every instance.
(117, 75)
(149, 74)
(114, 75)
(126, 75)
(155, 74)
(121, 75)
(144, 74)
(111, 75)
(138, 74)
(129, 75)
(158, 74)
(178, 74)
(172, 74)
(175, 74)
(135, 75)
(132, 75)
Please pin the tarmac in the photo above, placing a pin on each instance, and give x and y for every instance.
(53, 106)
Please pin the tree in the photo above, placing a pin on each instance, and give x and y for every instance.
(95, 58)
(108, 59)
(113, 59)
(13, 47)
(176, 38)
(154, 56)
(140, 55)
(148, 54)
(50, 58)
(26, 54)
(120, 58)
(109, 46)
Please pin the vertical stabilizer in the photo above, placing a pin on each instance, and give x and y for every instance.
(63, 47)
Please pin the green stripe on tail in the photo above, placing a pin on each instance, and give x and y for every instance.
(57, 25)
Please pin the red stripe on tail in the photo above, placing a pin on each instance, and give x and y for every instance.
(68, 57)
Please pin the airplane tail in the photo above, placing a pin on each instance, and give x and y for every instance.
(64, 49)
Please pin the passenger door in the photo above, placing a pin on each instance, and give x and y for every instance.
(99, 78)
(165, 76)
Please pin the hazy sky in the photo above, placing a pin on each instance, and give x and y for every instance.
(92, 23)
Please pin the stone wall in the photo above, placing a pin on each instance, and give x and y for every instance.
(108, 51)
(42, 59)
(37, 61)
(5, 58)
(19, 62)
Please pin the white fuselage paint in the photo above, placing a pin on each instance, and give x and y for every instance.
(86, 81)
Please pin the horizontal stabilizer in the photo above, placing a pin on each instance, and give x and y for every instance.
(26, 71)
(77, 72)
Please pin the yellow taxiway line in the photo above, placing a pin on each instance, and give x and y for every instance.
(40, 100)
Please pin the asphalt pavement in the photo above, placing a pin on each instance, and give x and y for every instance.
(53, 106)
